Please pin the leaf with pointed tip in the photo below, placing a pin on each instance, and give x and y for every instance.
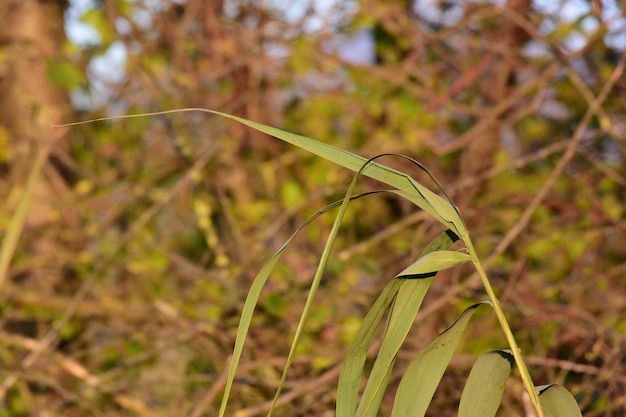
(422, 377)
(485, 385)
(352, 371)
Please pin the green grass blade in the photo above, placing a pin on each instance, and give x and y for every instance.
(421, 378)
(352, 370)
(444, 211)
(244, 323)
(430, 202)
(12, 235)
(405, 307)
(321, 267)
(485, 385)
(378, 398)
(557, 401)
(253, 297)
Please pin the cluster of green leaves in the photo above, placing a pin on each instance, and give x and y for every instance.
(405, 293)
(171, 215)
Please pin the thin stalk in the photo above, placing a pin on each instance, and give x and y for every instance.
(504, 324)
(16, 224)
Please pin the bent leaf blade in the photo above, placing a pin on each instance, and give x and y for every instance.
(422, 377)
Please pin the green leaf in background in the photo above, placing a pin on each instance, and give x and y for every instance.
(64, 74)
(485, 385)
(422, 377)
(557, 401)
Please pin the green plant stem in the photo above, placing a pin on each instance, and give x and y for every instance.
(504, 324)
(17, 220)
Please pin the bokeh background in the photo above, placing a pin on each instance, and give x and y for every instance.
(143, 235)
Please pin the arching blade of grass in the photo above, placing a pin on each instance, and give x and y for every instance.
(420, 380)
(253, 297)
(410, 295)
(557, 401)
(352, 370)
(430, 202)
(321, 267)
(485, 385)
(444, 211)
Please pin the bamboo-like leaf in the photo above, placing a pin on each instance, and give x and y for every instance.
(352, 370)
(427, 200)
(433, 262)
(403, 313)
(444, 211)
(405, 307)
(557, 401)
(421, 378)
(321, 267)
(485, 385)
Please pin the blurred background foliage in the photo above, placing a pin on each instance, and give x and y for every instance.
(144, 234)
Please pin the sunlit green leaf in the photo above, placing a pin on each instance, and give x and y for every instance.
(421, 378)
(485, 385)
(427, 200)
(349, 381)
(352, 370)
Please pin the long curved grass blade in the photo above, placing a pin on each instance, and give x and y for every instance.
(557, 401)
(421, 378)
(438, 207)
(321, 267)
(430, 202)
(253, 297)
(485, 385)
(352, 370)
